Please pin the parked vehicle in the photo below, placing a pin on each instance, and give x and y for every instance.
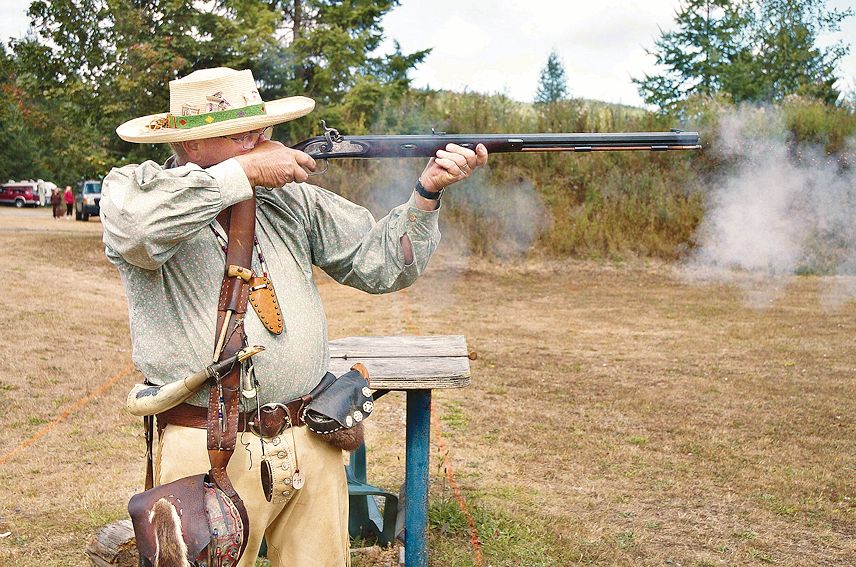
(87, 201)
(20, 194)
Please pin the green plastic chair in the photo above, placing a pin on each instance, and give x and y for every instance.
(364, 519)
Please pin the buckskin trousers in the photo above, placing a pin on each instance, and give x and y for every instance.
(306, 527)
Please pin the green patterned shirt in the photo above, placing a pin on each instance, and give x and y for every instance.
(157, 232)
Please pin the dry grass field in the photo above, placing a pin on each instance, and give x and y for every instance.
(618, 415)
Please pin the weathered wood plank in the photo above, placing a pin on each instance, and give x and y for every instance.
(417, 373)
(405, 346)
(405, 362)
(114, 546)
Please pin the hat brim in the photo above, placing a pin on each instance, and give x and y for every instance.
(276, 112)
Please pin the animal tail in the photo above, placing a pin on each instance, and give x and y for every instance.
(170, 550)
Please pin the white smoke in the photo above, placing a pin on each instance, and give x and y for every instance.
(780, 210)
(502, 220)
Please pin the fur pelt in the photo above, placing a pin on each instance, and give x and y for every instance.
(171, 551)
(346, 439)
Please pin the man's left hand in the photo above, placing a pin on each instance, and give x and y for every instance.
(452, 165)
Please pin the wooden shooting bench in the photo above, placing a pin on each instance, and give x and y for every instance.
(415, 365)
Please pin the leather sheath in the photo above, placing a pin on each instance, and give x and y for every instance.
(265, 304)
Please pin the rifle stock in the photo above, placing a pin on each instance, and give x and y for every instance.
(333, 145)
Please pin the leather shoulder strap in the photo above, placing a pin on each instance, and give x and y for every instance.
(231, 309)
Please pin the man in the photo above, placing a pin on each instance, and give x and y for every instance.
(161, 232)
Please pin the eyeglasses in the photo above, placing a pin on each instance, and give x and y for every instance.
(249, 140)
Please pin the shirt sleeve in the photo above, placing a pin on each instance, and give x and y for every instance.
(354, 249)
(147, 211)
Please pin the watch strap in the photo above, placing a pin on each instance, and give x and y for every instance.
(431, 195)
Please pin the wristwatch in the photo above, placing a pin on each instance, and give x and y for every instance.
(432, 195)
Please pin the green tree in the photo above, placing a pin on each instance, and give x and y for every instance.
(326, 52)
(91, 64)
(750, 50)
(789, 60)
(552, 84)
(697, 55)
(18, 149)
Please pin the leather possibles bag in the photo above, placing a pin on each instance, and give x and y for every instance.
(338, 407)
(201, 518)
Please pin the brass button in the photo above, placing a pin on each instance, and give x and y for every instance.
(412, 217)
(281, 454)
(275, 440)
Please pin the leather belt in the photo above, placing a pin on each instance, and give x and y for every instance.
(269, 421)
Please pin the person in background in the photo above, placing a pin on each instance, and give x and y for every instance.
(56, 203)
(69, 200)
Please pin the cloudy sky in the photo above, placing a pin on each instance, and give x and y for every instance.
(501, 45)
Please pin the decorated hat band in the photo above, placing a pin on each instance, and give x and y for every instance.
(195, 120)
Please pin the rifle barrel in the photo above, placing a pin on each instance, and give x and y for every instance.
(327, 147)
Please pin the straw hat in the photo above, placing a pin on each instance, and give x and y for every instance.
(210, 103)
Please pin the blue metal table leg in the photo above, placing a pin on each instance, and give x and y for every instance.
(416, 478)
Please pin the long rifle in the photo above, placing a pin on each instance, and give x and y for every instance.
(333, 145)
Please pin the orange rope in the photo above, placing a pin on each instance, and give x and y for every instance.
(450, 476)
(64, 415)
(437, 434)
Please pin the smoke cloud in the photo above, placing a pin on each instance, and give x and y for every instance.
(779, 211)
(498, 220)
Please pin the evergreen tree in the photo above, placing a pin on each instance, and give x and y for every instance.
(751, 50)
(789, 60)
(326, 51)
(710, 37)
(552, 84)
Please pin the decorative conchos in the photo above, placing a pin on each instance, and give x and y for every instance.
(265, 304)
(367, 392)
(349, 421)
(358, 416)
(368, 407)
(297, 480)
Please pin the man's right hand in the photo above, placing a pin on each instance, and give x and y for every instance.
(272, 164)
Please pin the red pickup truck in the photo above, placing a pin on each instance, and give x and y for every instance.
(20, 194)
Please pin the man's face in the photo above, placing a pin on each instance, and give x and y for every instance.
(211, 151)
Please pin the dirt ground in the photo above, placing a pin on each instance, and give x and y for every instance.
(618, 414)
